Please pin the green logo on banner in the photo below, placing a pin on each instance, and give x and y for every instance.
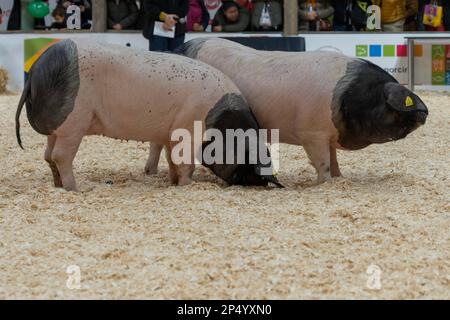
(438, 79)
(438, 52)
(362, 51)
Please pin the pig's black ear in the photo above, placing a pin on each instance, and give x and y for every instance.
(274, 180)
(399, 98)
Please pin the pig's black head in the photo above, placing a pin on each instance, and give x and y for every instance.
(405, 110)
(250, 175)
(246, 174)
(232, 112)
(374, 108)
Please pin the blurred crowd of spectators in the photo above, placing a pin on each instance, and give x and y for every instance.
(267, 15)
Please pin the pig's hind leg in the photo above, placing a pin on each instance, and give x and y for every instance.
(48, 157)
(151, 167)
(63, 154)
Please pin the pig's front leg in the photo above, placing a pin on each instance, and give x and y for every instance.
(173, 176)
(180, 174)
(318, 152)
(151, 167)
(185, 172)
(335, 172)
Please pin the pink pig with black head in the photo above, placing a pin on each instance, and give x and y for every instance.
(321, 100)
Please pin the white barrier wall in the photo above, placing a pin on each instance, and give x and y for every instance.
(389, 51)
(384, 49)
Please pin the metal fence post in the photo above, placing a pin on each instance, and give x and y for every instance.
(290, 17)
(99, 16)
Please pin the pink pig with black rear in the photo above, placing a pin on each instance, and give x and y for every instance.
(78, 88)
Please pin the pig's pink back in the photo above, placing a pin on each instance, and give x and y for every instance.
(140, 95)
(287, 91)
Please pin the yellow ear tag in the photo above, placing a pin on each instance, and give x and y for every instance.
(409, 102)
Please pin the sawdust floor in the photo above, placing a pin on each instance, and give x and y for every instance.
(142, 238)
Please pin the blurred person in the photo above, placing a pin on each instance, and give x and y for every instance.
(315, 15)
(59, 17)
(446, 18)
(172, 14)
(85, 8)
(14, 21)
(395, 12)
(342, 15)
(122, 14)
(141, 15)
(198, 16)
(231, 18)
(412, 15)
(420, 25)
(350, 15)
(247, 4)
(267, 15)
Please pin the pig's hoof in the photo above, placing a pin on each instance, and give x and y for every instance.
(58, 184)
(321, 180)
(151, 171)
(335, 174)
(71, 189)
(173, 180)
(184, 181)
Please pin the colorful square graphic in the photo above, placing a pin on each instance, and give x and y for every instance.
(375, 50)
(389, 50)
(402, 50)
(438, 65)
(362, 51)
(437, 51)
(447, 79)
(418, 50)
(438, 79)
